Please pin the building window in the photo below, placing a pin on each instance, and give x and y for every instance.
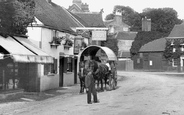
(55, 33)
(9, 78)
(50, 68)
(174, 49)
(69, 64)
(175, 62)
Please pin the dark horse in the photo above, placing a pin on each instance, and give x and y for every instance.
(100, 72)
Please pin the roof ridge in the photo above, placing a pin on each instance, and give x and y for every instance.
(73, 17)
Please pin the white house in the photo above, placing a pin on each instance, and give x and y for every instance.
(53, 32)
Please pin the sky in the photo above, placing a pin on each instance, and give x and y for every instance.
(137, 5)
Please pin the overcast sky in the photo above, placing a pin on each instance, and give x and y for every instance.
(137, 5)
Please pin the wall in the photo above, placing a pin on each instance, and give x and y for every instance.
(138, 62)
(125, 65)
(34, 33)
(68, 79)
(49, 82)
(29, 79)
(124, 45)
(152, 61)
(44, 36)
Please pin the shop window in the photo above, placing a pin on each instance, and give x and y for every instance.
(50, 68)
(9, 78)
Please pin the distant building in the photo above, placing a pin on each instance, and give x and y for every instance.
(123, 34)
(117, 25)
(151, 57)
(125, 40)
(78, 6)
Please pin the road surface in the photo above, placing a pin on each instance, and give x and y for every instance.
(138, 93)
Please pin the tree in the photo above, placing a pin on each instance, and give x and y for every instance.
(109, 17)
(111, 43)
(169, 54)
(162, 22)
(162, 19)
(15, 16)
(143, 38)
(130, 17)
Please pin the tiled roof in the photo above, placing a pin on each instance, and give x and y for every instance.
(126, 35)
(177, 31)
(154, 46)
(92, 19)
(74, 6)
(115, 23)
(55, 16)
(80, 19)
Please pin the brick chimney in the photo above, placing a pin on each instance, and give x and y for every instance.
(118, 16)
(146, 24)
(85, 7)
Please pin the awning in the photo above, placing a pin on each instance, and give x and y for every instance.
(93, 49)
(66, 55)
(21, 53)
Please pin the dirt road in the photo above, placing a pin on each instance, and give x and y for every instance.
(138, 93)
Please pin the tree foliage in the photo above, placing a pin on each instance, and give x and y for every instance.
(169, 54)
(15, 16)
(129, 16)
(109, 17)
(162, 19)
(111, 43)
(143, 38)
(162, 22)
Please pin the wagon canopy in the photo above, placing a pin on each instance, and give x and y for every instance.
(93, 49)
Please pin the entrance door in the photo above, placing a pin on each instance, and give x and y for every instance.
(61, 71)
(75, 70)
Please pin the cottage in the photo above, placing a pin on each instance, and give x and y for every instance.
(54, 32)
(177, 34)
(151, 57)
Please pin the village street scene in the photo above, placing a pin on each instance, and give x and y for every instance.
(138, 93)
(65, 57)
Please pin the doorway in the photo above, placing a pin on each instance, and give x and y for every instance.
(61, 71)
(75, 70)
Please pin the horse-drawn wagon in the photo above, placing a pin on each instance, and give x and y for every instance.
(98, 57)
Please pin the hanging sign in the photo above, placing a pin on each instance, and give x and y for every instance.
(99, 35)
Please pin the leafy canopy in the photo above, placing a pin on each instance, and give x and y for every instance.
(111, 43)
(162, 19)
(15, 16)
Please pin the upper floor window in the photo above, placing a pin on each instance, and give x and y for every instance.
(55, 33)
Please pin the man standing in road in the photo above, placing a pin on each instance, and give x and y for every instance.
(90, 87)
